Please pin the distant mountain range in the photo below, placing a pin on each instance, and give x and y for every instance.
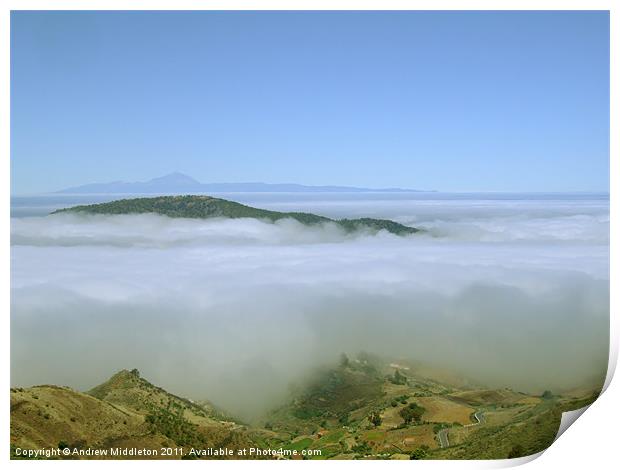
(176, 183)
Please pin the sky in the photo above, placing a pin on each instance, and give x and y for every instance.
(450, 101)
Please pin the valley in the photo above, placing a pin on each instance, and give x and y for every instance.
(362, 407)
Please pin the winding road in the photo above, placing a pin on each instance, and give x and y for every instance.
(442, 435)
(443, 438)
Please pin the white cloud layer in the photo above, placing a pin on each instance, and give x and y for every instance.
(233, 310)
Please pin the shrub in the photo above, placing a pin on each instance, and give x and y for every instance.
(375, 418)
(398, 378)
(362, 448)
(516, 451)
(412, 412)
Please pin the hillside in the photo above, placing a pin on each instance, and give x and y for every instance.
(500, 397)
(204, 207)
(366, 408)
(510, 431)
(124, 412)
(362, 408)
(127, 389)
(48, 416)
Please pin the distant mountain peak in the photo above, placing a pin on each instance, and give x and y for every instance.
(174, 178)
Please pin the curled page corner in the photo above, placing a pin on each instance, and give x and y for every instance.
(568, 418)
(523, 460)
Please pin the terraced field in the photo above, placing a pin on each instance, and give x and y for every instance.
(443, 410)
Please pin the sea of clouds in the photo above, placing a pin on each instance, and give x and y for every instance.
(508, 292)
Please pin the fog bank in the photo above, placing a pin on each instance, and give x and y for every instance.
(234, 310)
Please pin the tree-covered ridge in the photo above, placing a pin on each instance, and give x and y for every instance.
(203, 207)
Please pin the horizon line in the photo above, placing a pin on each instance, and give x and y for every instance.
(370, 190)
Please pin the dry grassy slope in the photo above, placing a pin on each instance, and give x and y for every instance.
(441, 410)
(406, 439)
(127, 390)
(45, 415)
(495, 397)
(126, 411)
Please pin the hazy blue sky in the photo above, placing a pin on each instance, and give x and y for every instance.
(432, 100)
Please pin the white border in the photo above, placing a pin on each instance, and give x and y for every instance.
(591, 443)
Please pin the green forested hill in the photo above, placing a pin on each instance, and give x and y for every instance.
(203, 207)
